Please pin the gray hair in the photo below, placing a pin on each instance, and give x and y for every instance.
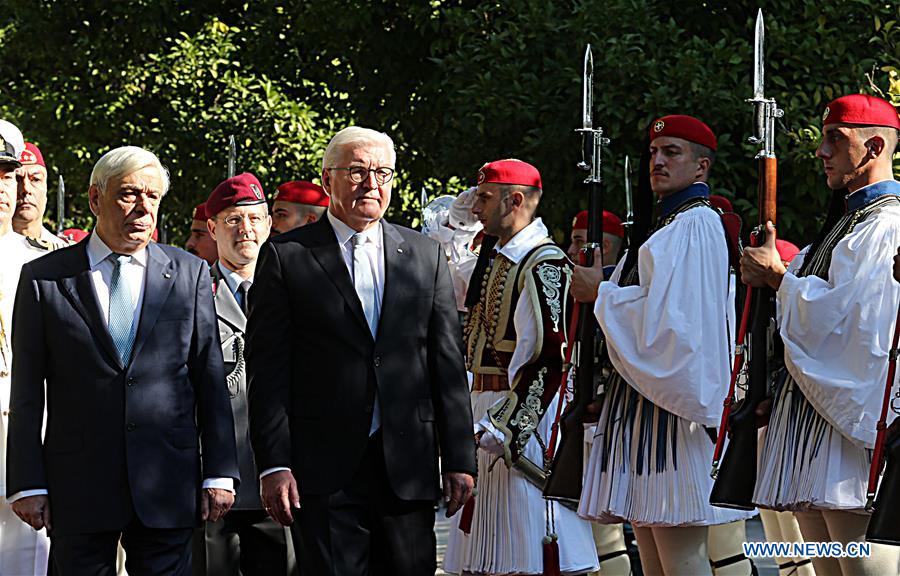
(125, 160)
(356, 135)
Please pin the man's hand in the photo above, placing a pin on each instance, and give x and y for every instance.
(215, 503)
(762, 267)
(586, 281)
(34, 511)
(897, 266)
(279, 493)
(457, 490)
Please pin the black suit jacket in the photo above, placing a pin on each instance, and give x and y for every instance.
(120, 439)
(314, 366)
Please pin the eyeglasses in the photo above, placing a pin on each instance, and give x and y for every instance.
(358, 174)
(234, 220)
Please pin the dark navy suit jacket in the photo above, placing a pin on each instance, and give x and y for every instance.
(121, 440)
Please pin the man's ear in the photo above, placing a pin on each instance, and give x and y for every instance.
(875, 146)
(703, 165)
(94, 199)
(211, 228)
(326, 181)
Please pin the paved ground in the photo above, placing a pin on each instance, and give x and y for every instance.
(766, 566)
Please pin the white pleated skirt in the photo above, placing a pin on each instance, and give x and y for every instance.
(805, 462)
(510, 519)
(649, 467)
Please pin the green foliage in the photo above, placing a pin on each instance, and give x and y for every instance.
(455, 82)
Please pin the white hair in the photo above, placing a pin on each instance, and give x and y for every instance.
(356, 135)
(125, 160)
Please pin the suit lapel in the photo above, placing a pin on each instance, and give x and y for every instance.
(157, 284)
(227, 308)
(395, 259)
(79, 290)
(328, 254)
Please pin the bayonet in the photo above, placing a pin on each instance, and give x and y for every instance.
(60, 206)
(232, 156)
(629, 209)
(766, 110)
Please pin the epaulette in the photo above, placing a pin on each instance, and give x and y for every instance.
(40, 244)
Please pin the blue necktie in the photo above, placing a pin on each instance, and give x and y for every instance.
(121, 310)
(364, 282)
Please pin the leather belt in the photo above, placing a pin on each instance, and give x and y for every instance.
(490, 383)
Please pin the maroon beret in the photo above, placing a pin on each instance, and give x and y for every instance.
(31, 155)
(612, 224)
(684, 127)
(721, 202)
(200, 212)
(302, 192)
(74, 234)
(786, 250)
(861, 109)
(510, 171)
(241, 190)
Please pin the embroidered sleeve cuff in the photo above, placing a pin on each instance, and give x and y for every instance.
(221, 483)
(26, 494)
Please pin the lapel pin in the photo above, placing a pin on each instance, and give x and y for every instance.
(400, 250)
(166, 275)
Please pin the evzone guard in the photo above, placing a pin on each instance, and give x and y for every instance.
(514, 337)
(836, 309)
(667, 317)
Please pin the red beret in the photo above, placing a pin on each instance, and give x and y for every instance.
(611, 223)
(684, 127)
(721, 202)
(200, 212)
(31, 155)
(861, 109)
(302, 192)
(74, 234)
(510, 171)
(786, 250)
(241, 190)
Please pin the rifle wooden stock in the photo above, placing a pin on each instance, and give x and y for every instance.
(564, 481)
(884, 526)
(736, 478)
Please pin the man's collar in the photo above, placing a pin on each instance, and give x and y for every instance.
(524, 240)
(343, 232)
(669, 203)
(872, 192)
(98, 251)
(232, 278)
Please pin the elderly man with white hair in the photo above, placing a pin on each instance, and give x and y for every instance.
(123, 331)
(356, 377)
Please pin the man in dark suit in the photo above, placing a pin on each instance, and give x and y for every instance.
(124, 333)
(357, 380)
(247, 542)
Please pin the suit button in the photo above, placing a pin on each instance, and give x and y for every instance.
(377, 361)
(131, 382)
(131, 426)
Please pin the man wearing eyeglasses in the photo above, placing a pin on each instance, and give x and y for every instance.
(247, 541)
(357, 380)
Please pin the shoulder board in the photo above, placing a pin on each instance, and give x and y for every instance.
(40, 244)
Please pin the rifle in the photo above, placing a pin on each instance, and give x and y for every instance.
(232, 155)
(60, 206)
(564, 481)
(735, 479)
(883, 526)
